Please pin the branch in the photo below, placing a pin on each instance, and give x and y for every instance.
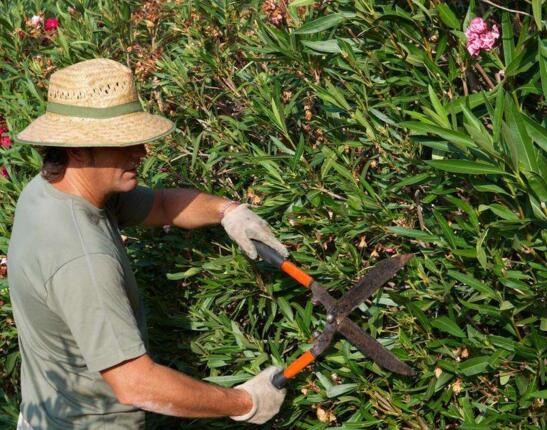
(504, 8)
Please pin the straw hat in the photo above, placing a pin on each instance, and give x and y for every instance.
(94, 103)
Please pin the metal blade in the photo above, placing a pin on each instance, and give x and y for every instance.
(372, 349)
(378, 276)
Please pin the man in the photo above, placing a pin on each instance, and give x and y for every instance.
(80, 321)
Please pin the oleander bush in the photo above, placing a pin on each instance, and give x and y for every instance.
(358, 129)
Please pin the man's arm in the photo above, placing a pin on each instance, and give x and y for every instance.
(147, 385)
(186, 208)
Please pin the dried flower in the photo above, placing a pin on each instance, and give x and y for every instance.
(480, 37)
(276, 12)
(37, 20)
(457, 386)
(51, 24)
(325, 416)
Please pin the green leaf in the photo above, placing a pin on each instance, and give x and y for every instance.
(285, 308)
(472, 282)
(183, 275)
(448, 326)
(448, 16)
(229, 380)
(536, 131)
(439, 109)
(300, 3)
(416, 234)
(338, 390)
(481, 254)
(475, 365)
(417, 179)
(490, 188)
(542, 55)
(457, 138)
(537, 395)
(500, 211)
(536, 10)
(330, 46)
(516, 135)
(466, 167)
(507, 38)
(320, 24)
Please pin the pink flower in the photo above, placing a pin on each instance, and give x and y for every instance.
(489, 38)
(5, 141)
(4, 172)
(36, 20)
(51, 24)
(477, 25)
(479, 37)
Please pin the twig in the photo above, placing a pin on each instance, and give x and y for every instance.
(484, 75)
(505, 8)
(419, 210)
(330, 193)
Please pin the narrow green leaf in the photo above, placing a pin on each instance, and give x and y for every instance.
(448, 326)
(507, 38)
(416, 234)
(542, 55)
(437, 105)
(330, 46)
(183, 275)
(457, 138)
(500, 211)
(465, 167)
(472, 282)
(475, 365)
(320, 24)
(338, 390)
(536, 10)
(448, 16)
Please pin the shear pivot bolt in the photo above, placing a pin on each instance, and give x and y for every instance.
(330, 318)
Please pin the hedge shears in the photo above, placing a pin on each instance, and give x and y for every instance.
(337, 313)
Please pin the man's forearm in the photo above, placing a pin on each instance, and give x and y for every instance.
(156, 388)
(190, 208)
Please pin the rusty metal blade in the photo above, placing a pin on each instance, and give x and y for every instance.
(372, 349)
(378, 276)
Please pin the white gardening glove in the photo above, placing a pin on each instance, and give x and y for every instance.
(267, 399)
(242, 225)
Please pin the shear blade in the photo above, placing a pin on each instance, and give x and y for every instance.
(372, 349)
(368, 284)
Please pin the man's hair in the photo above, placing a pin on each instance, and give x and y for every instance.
(54, 162)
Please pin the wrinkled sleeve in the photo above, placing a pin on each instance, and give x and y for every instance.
(88, 293)
(133, 207)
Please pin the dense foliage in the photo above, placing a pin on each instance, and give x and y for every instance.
(359, 129)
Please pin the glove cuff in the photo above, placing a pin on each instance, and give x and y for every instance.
(253, 410)
(222, 211)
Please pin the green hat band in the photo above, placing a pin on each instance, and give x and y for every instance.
(91, 112)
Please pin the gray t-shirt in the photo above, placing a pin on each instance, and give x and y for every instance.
(76, 305)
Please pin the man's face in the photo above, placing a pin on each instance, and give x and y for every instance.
(114, 169)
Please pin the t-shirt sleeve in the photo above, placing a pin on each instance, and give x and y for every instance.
(88, 293)
(131, 208)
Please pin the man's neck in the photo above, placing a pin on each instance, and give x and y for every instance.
(75, 182)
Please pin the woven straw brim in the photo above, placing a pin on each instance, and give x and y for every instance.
(134, 128)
